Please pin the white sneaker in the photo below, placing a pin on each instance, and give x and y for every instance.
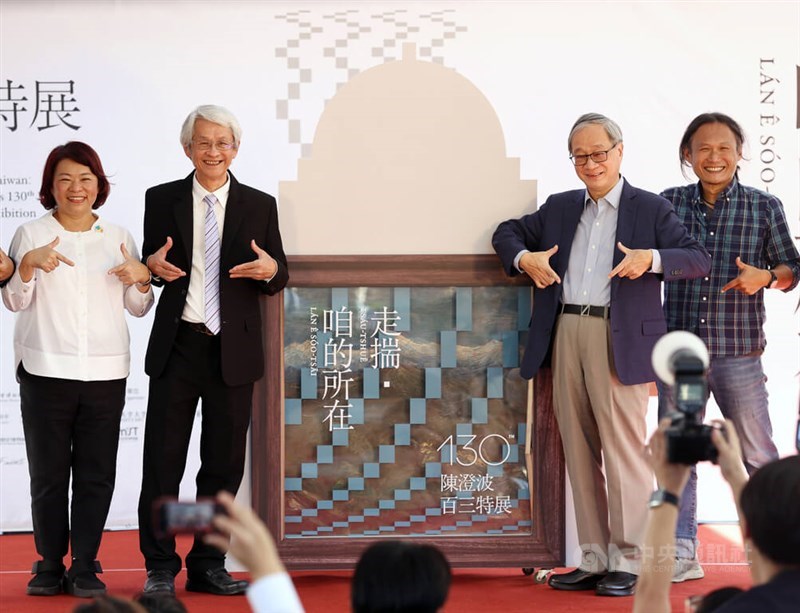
(687, 569)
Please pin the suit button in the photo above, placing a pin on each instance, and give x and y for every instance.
(183, 292)
(175, 320)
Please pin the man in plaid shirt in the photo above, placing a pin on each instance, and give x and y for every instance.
(745, 231)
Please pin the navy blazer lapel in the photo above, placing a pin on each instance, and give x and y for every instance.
(571, 211)
(184, 215)
(626, 220)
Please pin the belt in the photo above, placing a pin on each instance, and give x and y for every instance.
(197, 327)
(586, 310)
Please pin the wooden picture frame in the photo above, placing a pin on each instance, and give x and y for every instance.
(546, 544)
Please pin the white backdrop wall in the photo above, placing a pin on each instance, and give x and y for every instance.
(132, 70)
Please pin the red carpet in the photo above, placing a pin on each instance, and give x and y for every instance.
(478, 590)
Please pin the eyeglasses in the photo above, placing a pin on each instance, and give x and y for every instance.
(204, 145)
(597, 156)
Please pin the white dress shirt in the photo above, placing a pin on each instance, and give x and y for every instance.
(70, 322)
(195, 308)
(591, 258)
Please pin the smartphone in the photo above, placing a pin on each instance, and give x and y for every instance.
(174, 517)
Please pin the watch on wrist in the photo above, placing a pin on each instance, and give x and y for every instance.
(660, 496)
(773, 280)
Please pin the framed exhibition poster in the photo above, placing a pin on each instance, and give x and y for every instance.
(392, 407)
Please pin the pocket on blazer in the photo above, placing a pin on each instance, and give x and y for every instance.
(654, 327)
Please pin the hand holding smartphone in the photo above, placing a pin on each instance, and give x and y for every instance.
(175, 517)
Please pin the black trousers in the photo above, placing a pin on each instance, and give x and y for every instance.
(192, 373)
(70, 427)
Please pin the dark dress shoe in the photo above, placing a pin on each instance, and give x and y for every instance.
(215, 581)
(618, 583)
(48, 578)
(575, 580)
(81, 579)
(159, 580)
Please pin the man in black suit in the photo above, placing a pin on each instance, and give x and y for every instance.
(214, 246)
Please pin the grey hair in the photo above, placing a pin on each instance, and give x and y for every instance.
(609, 125)
(215, 114)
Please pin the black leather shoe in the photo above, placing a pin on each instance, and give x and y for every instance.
(618, 583)
(215, 581)
(159, 580)
(575, 580)
(47, 582)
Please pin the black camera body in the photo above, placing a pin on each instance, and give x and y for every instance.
(689, 443)
(689, 440)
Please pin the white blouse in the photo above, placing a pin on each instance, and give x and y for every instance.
(70, 322)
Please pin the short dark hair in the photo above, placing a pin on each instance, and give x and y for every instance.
(400, 577)
(769, 504)
(716, 598)
(107, 604)
(160, 602)
(82, 154)
(697, 123)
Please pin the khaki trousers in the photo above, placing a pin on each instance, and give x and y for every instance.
(602, 425)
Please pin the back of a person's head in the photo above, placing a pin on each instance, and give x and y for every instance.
(400, 577)
(716, 598)
(160, 602)
(108, 604)
(771, 509)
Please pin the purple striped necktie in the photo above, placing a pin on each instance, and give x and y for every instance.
(212, 266)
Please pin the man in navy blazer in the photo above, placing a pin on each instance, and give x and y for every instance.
(214, 247)
(611, 244)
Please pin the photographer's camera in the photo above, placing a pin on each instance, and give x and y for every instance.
(680, 359)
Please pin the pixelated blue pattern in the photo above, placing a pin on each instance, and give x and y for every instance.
(417, 410)
(510, 349)
(293, 412)
(480, 411)
(447, 454)
(433, 470)
(512, 452)
(433, 383)
(447, 346)
(340, 437)
(479, 414)
(402, 304)
(463, 309)
(494, 471)
(402, 434)
(292, 484)
(339, 298)
(308, 385)
(463, 429)
(324, 454)
(418, 483)
(386, 454)
(372, 383)
(494, 382)
(356, 411)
